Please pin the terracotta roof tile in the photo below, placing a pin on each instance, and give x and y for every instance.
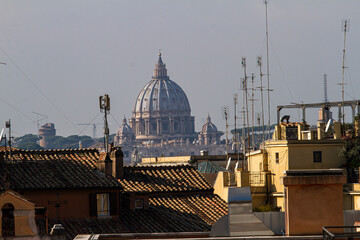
(163, 178)
(187, 213)
(55, 169)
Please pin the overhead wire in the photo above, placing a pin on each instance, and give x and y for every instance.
(38, 89)
(92, 121)
(16, 109)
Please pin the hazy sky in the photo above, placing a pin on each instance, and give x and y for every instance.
(62, 55)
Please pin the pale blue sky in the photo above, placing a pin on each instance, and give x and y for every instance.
(74, 51)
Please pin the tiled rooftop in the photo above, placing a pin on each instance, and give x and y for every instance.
(55, 169)
(77, 226)
(187, 213)
(181, 178)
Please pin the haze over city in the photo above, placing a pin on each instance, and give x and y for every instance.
(62, 55)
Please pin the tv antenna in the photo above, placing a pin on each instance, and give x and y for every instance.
(225, 114)
(252, 99)
(267, 65)
(104, 103)
(345, 28)
(93, 128)
(259, 62)
(325, 89)
(39, 117)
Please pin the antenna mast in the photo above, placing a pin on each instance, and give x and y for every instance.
(243, 62)
(104, 102)
(225, 112)
(267, 65)
(235, 116)
(252, 109)
(38, 120)
(345, 28)
(259, 62)
(325, 89)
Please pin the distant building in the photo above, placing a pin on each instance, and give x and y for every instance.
(162, 110)
(162, 125)
(47, 130)
(209, 133)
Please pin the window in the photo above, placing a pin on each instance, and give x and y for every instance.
(103, 204)
(277, 157)
(139, 203)
(317, 156)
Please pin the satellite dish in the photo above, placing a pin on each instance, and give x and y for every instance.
(328, 124)
(228, 163)
(1, 134)
(236, 165)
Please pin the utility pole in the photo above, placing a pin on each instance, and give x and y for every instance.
(104, 102)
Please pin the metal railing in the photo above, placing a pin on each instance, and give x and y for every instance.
(257, 178)
(349, 232)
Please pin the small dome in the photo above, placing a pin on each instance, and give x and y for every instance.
(124, 129)
(208, 127)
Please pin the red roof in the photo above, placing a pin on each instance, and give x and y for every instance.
(180, 178)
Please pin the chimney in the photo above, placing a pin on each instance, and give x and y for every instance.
(58, 232)
(117, 157)
(104, 163)
(204, 153)
(320, 130)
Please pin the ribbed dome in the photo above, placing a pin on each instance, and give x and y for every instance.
(161, 94)
(208, 126)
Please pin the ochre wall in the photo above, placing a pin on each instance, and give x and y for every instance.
(313, 202)
(77, 205)
(301, 156)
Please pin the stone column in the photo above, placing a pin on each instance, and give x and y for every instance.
(158, 126)
(147, 126)
(171, 125)
(182, 123)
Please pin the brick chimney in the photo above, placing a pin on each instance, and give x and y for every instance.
(104, 163)
(117, 157)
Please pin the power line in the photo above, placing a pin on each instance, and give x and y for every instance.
(37, 88)
(16, 109)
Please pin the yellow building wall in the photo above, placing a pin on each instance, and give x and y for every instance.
(294, 154)
(301, 156)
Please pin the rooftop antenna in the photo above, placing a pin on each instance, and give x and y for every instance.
(345, 28)
(325, 89)
(104, 102)
(245, 93)
(8, 125)
(259, 62)
(93, 128)
(235, 118)
(225, 112)
(267, 65)
(43, 117)
(252, 99)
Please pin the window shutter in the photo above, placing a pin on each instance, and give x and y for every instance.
(92, 205)
(113, 203)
